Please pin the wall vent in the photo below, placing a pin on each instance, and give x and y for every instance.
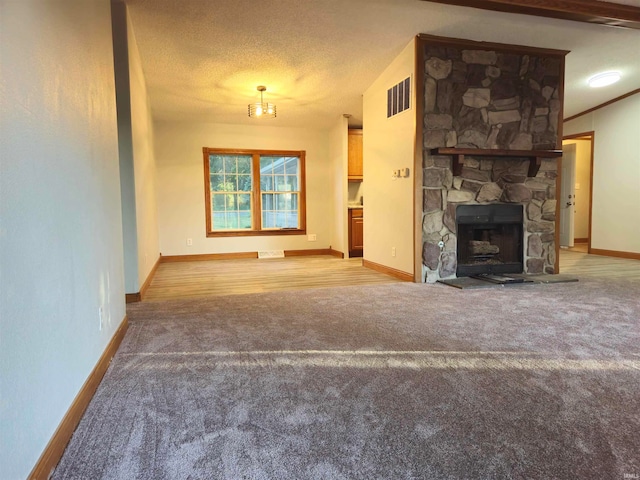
(399, 98)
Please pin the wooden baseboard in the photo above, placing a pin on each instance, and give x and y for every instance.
(56, 446)
(147, 282)
(304, 253)
(580, 240)
(407, 277)
(208, 256)
(132, 297)
(615, 253)
(137, 297)
(336, 253)
(241, 255)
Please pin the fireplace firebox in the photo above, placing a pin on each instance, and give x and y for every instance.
(490, 239)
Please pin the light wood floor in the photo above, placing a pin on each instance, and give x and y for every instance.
(578, 247)
(232, 277)
(573, 261)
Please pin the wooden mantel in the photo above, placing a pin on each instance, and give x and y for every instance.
(535, 156)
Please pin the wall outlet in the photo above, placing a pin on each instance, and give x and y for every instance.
(404, 172)
(312, 237)
(100, 318)
(393, 251)
(189, 242)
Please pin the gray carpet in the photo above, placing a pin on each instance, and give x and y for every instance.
(399, 381)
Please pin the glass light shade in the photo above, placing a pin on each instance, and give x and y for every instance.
(262, 108)
(604, 79)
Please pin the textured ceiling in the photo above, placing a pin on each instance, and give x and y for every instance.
(203, 59)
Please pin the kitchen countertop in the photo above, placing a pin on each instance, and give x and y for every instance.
(350, 206)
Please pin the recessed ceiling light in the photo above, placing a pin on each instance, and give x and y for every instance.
(604, 79)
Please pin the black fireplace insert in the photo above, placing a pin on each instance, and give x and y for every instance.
(490, 239)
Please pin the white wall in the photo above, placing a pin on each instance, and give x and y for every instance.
(144, 165)
(60, 233)
(583, 176)
(125, 146)
(338, 152)
(136, 152)
(180, 188)
(388, 144)
(616, 173)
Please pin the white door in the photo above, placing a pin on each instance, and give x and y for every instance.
(567, 195)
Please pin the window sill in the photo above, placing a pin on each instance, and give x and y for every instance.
(258, 233)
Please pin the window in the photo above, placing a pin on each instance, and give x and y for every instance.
(254, 192)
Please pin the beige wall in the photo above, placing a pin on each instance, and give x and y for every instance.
(616, 173)
(388, 144)
(180, 188)
(61, 252)
(338, 152)
(583, 175)
(143, 164)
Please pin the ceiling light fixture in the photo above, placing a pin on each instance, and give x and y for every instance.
(604, 79)
(262, 109)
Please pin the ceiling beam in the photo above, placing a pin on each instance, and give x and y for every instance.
(589, 11)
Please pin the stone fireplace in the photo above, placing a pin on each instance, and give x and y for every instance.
(490, 134)
(487, 181)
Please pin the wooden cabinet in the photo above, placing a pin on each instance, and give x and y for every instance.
(356, 224)
(356, 232)
(355, 154)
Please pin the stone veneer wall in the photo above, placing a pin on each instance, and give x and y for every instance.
(489, 99)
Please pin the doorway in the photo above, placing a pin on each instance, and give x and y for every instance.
(576, 225)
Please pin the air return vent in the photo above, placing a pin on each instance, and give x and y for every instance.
(270, 253)
(399, 98)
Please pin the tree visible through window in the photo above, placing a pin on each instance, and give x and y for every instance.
(254, 192)
(230, 181)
